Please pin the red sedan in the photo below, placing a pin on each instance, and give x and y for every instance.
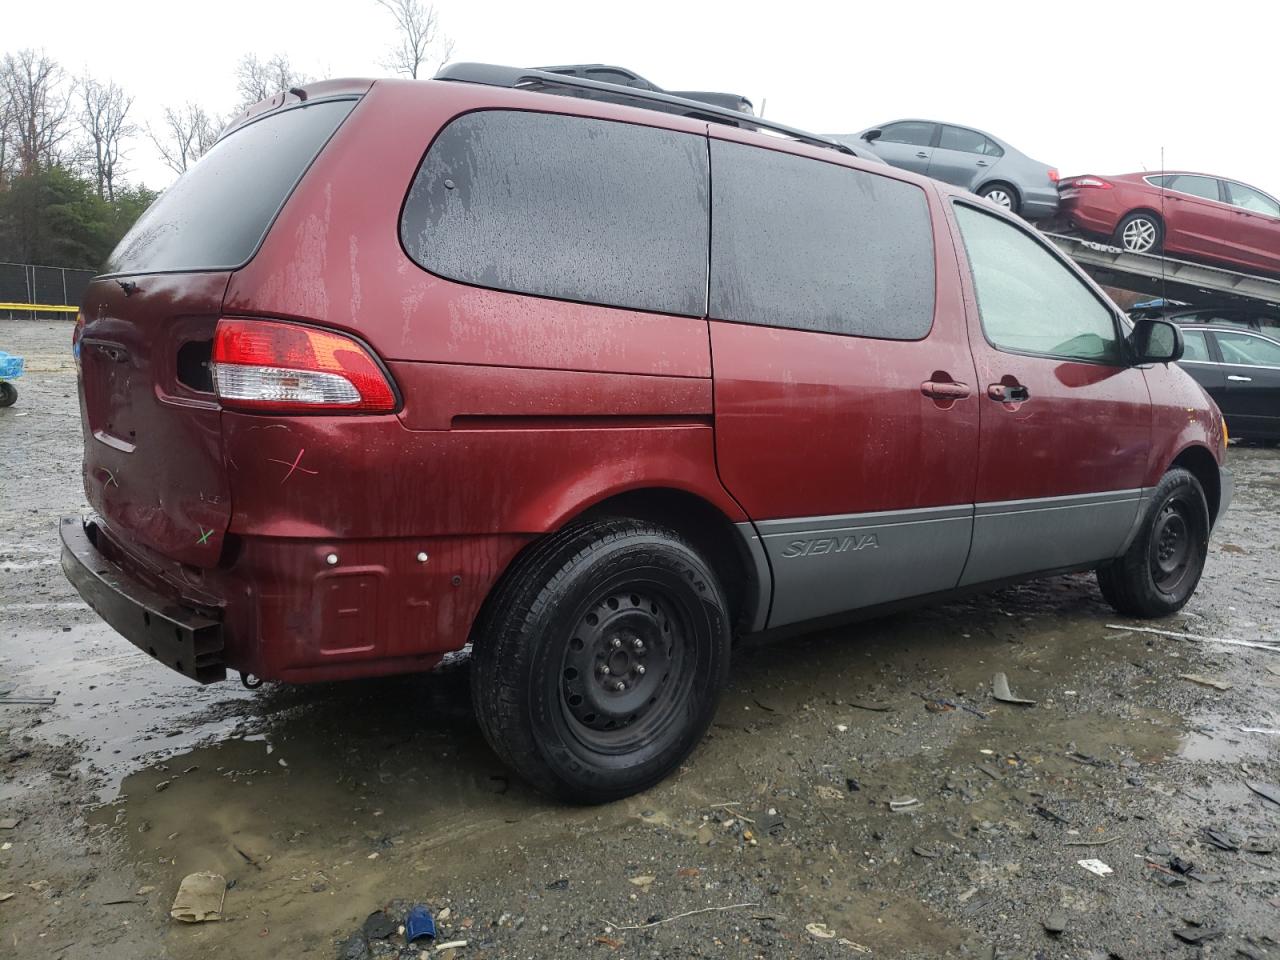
(1183, 214)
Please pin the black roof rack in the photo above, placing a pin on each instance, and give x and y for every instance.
(541, 81)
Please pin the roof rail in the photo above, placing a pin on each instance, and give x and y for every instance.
(540, 81)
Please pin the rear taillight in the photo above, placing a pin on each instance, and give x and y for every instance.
(76, 333)
(290, 368)
(1096, 182)
(1053, 175)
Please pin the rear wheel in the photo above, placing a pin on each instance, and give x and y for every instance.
(8, 394)
(1140, 232)
(1160, 570)
(1001, 194)
(599, 662)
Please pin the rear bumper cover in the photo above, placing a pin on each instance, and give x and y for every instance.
(177, 636)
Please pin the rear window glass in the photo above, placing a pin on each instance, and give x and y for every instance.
(216, 214)
(568, 207)
(816, 246)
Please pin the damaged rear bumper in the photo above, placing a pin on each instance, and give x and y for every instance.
(177, 636)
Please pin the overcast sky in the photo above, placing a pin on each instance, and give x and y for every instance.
(1087, 87)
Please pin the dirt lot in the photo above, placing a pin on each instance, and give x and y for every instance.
(320, 805)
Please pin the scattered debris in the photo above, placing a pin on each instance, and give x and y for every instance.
(1055, 923)
(1191, 636)
(1268, 791)
(1049, 814)
(419, 924)
(609, 942)
(1101, 842)
(925, 852)
(643, 882)
(906, 803)
(1220, 839)
(874, 707)
(990, 771)
(378, 926)
(163, 785)
(851, 784)
(820, 930)
(826, 792)
(1096, 867)
(5, 896)
(1178, 865)
(1260, 730)
(9, 823)
(678, 916)
(451, 945)
(559, 884)
(1206, 681)
(688, 872)
(1197, 935)
(199, 898)
(1000, 691)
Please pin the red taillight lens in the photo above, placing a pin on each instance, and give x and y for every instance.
(286, 367)
(1053, 175)
(1095, 182)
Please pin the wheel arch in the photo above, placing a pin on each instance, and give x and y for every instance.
(1199, 461)
(1150, 211)
(731, 548)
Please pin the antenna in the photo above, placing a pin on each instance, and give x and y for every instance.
(1164, 285)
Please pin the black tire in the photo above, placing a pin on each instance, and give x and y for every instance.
(1140, 232)
(1159, 572)
(8, 394)
(612, 593)
(997, 192)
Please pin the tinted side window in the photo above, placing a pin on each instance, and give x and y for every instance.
(1242, 348)
(1196, 348)
(1205, 187)
(1028, 300)
(967, 141)
(912, 131)
(817, 246)
(1248, 198)
(566, 207)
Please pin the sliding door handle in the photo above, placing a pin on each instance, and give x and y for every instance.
(1006, 393)
(945, 389)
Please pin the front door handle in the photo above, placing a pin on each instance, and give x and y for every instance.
(983, 163)
(1008, 393)
(944, 389)
(1234, 379)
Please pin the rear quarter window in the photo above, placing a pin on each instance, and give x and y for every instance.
(818, 246)
(216, 214)
(574, 208)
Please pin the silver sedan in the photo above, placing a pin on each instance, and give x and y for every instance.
(986, 165)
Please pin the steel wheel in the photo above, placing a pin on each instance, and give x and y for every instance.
(1172, 550)
(625, 674)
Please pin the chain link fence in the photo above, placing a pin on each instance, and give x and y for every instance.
(28, 283)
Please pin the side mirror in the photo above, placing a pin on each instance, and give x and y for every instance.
(1156, 341)
(871, 135)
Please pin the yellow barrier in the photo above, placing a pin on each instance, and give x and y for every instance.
(38, 307)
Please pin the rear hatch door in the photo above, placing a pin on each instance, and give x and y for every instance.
(154, 467)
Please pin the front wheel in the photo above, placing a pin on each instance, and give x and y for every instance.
(8, 394)
(1158, 573)
(599, 662)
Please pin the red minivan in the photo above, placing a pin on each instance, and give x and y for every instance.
(596, 383)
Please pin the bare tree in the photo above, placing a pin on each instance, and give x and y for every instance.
(259, 79)
(104, 115)
(187, 132)
(34, 88)
(420, 39)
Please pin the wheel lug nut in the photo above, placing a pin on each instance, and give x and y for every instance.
(637, 645)
(619, 686)
(640, 669)
(615, 643)
(604, 669)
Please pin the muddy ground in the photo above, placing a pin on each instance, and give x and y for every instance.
(322, 804)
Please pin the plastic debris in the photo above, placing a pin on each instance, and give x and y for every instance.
(1268, 791)
(419, 924)
(1205, 681)
(1220, 839)
(451, 945)
(378, 926)
(820, 930)
(905, 803)
(199, 898)
(1191, 636)
(1197, 935)
(1000, 691)
(1096, 867)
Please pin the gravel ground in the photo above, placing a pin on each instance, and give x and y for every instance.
(321, 805)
